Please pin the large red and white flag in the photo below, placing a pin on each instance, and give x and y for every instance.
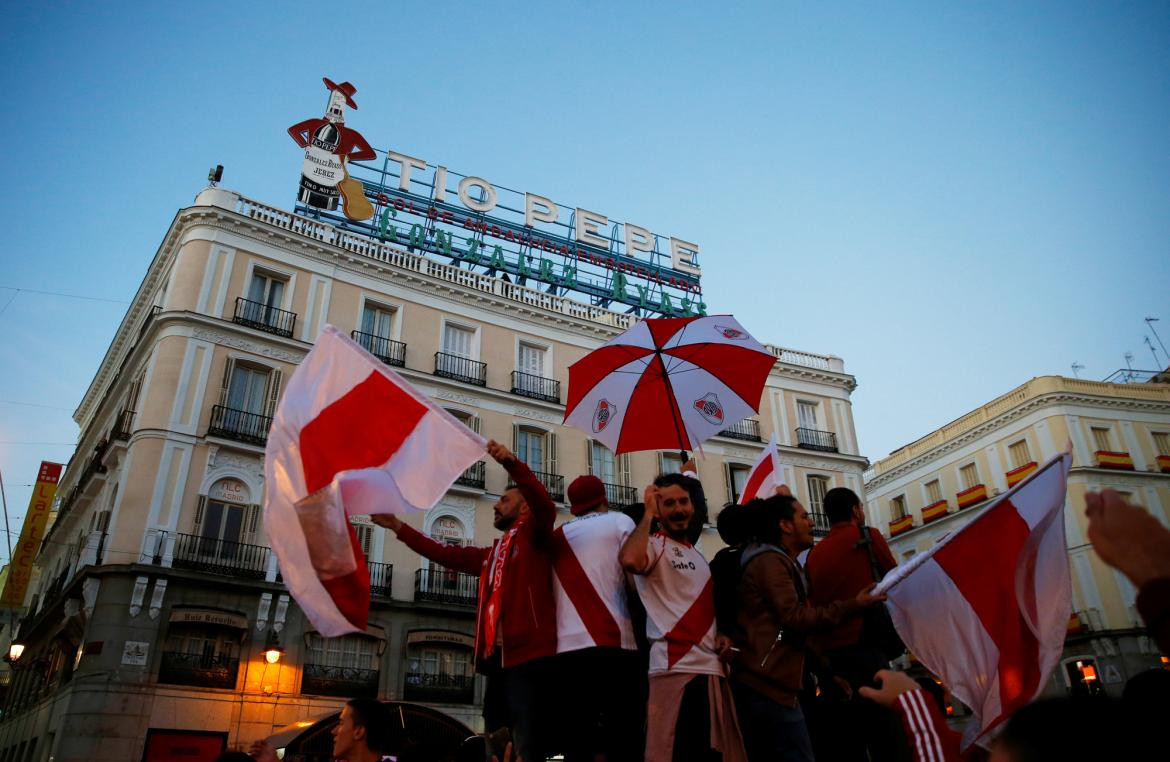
(987, 608)
(765, 475)
(350, 437)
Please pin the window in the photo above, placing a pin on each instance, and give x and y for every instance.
(365, 535)
(806, 415)
(817, 487)
(530, 448)
(457, 340)
(1018, 453)
(266, 290)
(466, 418)
(933, 492)
(969, 475)
(347, 651)
(1101, 439)
(737, 475)
(669, 463)
(602, 463)
(1162, 443)
(377, 321)
(531, 359)
(201, 654)
(248, 389)
(345, 666)
(898, 507)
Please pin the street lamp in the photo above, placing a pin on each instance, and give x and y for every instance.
(14, 652)
(273, 651)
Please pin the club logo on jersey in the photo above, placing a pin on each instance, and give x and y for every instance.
(710, 408)
(731, 333)
(602, 415)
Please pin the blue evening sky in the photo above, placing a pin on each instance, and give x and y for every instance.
(953, 197)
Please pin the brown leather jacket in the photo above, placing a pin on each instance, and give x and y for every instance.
(773, 602)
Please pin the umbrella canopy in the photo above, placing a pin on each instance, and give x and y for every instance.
(668, 383)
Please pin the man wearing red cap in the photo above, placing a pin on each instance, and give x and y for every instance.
(596, 652)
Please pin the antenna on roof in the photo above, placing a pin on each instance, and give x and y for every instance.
(1150, 322)
(1076, 367)
(215, 174)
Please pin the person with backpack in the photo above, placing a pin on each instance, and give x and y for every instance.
(772, 625)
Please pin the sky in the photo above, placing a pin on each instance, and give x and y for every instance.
(952, 197)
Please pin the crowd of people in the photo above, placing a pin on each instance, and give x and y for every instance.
(610, 638)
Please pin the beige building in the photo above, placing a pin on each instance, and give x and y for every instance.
(158, 591)
(1120, 439)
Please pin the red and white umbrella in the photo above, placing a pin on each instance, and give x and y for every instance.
(668, 383)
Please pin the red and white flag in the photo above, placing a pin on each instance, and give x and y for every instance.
(987, 608)
(350, 437)
(765, 475)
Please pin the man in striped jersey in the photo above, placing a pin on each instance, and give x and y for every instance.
(596, 651)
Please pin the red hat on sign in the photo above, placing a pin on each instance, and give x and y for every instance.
(344, 88)
(585, 494)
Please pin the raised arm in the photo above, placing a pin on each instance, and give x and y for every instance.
(540, 505)
(468, 560)
(634, 556)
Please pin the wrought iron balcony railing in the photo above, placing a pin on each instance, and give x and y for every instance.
(460, 368)
(380, 577)
(204, 670)
(240, 425)
(446, 586)
(748, 428)
(812, 439)
(820, 522)
(536, 387)
(387, 350)
(351, 682)
(619, 494)
(474, 476)
(264, 318)
(439, 688)
(554, 483)
(215, 556)
(122, 426)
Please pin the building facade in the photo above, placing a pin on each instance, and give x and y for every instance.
(1120, 439)
(158, 594)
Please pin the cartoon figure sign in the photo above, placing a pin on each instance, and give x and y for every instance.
(328, 145)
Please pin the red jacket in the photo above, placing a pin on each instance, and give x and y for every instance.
(837, 570)
(528, 618)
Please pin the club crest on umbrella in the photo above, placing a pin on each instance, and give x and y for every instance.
(731, 333)
(603, 414)
(710, 408)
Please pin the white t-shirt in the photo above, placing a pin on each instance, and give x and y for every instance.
(680, 608)
(590, 585)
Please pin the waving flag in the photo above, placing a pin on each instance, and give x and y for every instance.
(986, 609)
(350, 437)
(765, 474)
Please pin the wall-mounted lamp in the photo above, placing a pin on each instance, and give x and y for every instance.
(14, 652)
(273, 651)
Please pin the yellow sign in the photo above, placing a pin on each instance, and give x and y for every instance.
(31, 534)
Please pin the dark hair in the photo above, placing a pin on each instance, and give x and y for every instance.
(372, 715)
(1062, 728)
(766, 515)
(694, 488)
(732, 523)
(839, 503)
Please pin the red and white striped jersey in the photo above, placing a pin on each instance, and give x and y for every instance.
(680, 608)
(590, 585)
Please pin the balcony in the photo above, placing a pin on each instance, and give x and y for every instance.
(536, 387)
(203, 670)
(231, 559)
(380, 576)
(554, 484)
(1164, 464)
(439, 688)
(240, 425)
(971, 496)
(474, 476)
(387, 350)
(264, 318)
(900, 525)
(812, 439)
(1017, 475)
(350, 682)
(121, 429)
(620, 494)
(935, 511)
(1120, 461)
(460, 369)
(440, 585)
(748, 429)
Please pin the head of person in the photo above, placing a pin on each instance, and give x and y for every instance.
(1063, 728)
(842, 505)
(732, 524)
(781, 520)
(509, 508)
(362, 730)
(587, 494)
(676, 506)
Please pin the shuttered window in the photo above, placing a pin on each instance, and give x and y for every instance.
(1018, 453)
(817, 487)
(898, 507)
(969, 474)
(1162, 442)
(1102, 441)
(457, 340)
(933, 492)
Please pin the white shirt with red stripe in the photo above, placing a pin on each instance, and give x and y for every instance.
(680, 608)
(590, 585)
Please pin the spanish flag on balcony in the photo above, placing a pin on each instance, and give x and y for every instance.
(1017, 475)
(1119, 460)
(934, 511)
(1075, 625)
(1164, 464)
(968, 497)
(898, 526)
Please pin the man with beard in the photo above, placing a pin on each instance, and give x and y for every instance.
(690, 714)
(516, 625)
